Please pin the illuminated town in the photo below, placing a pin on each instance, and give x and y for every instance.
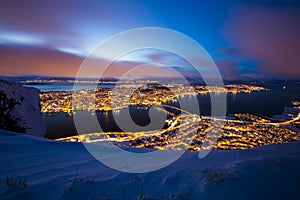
(246, 131)
(100, 99)
(184, 130)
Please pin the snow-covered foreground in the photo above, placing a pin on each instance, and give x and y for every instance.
(34, 168)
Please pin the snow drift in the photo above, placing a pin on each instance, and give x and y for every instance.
(36, 168)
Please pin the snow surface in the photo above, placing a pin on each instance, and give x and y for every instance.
(62, 170)
(26, 112)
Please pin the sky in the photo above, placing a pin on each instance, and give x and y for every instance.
(246, 39)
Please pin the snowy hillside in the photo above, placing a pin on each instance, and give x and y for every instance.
(35, 168)
(20, 109)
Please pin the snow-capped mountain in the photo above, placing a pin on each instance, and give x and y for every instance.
(20, 109)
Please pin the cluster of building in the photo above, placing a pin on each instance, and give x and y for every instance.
(71, 101)
(228, 134)
(193, 133)
(230, 88)
(184, 131)
(124, 95)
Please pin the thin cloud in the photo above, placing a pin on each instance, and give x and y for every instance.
(267, 35)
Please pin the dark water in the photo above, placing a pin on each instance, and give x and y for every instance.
(62, 125)
(266, 103)
(64, 86)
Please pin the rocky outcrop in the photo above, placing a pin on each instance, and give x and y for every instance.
(20, 109)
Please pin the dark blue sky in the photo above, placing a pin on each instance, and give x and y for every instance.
(246, 39)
